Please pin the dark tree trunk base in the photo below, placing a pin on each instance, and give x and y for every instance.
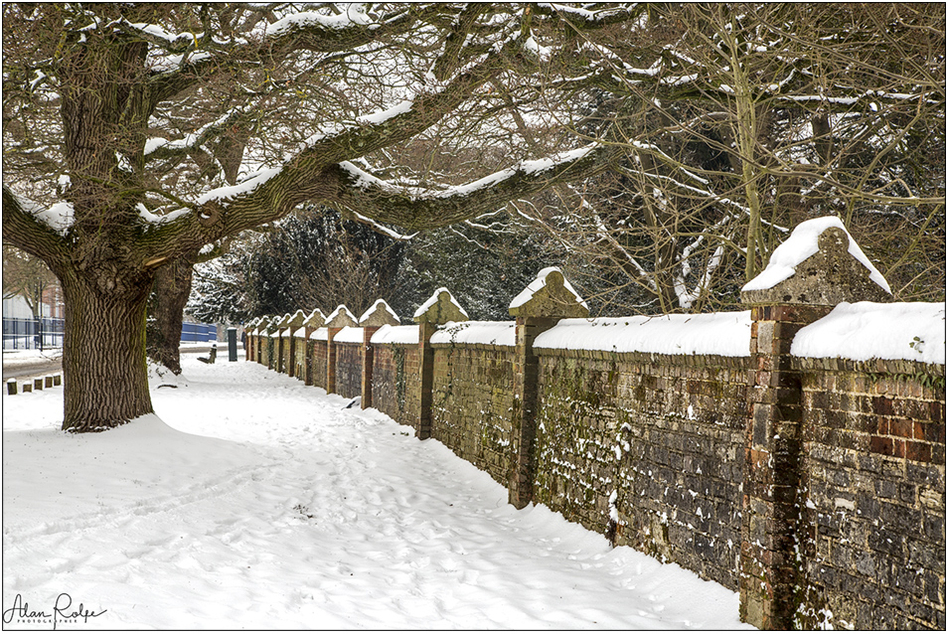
(104, 368)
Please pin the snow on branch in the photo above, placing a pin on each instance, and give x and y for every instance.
(426, 208)
(354, 14)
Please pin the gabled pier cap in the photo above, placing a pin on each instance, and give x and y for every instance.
(818, 265)
(441, 308)
(549, 295)
(379, 314)
(315, 319)
(296, 320)
(341, 317)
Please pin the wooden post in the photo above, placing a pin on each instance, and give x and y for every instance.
(37, 384)
(11, 387)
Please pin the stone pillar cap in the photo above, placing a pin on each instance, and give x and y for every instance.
(340, 318)
(441, 308)
(549, 295)
(819, 265)
(315, 319)
(296, 321)
(379, 314)
(273, 323)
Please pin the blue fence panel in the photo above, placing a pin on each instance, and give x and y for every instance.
(38, 334)
(193, 332)
(32, 334)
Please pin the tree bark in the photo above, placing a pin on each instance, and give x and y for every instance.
(104, 369)
(172, 288)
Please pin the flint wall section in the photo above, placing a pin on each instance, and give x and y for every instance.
(651, 450)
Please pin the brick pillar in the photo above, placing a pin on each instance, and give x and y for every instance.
(774, 536)
(291, 355)
(426, 356)
(365, 397)
(546, 300)
(770, 570)
(331, 360)
(524, 424)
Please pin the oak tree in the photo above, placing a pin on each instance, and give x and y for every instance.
(137, 135)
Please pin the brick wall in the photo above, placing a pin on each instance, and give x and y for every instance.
(472, 400)
(875, 485)
(646, 449)
(318, 361)
(652, 452)
(348, 369)
(395, 382)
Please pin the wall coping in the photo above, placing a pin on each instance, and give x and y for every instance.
(688, 360)
(871, 366)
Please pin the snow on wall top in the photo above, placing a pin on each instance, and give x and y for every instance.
(349, 335)
(497, 333)
(320, 334)
(300, 332)
(724, 334)
(396, 334)
(867, 330)
(540, 282)
(802, 244)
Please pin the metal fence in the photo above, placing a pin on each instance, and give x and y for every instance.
(32, 334)
(37, 334)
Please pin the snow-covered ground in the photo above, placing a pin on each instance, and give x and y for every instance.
(252, 501)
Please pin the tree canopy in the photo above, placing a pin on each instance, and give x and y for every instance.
(137, 135)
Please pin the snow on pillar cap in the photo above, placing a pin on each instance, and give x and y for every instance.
(296, 321)
(819, 264)
(549, 295)
(341, 317)
(379, 314)
(441, 308)
(315, 319)
(273, 323)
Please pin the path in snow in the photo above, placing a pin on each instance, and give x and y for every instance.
(263, 503)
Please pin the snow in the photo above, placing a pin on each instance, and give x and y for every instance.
(380, 303)
(349, 335)
(431, 301)
(497, 333)
(354, 15)
(254, 181)
(320, 334)
(540, 282)
(396, 334)
(58, 216)
(299, 333)
(724, 334)
(252, 501)
(341, 309)
(867, 330)
(802, 244)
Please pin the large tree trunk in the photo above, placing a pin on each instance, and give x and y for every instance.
(104, 368)
(172, 288)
